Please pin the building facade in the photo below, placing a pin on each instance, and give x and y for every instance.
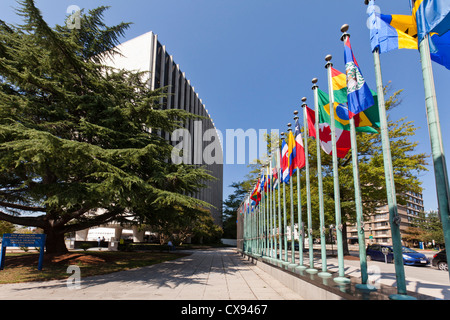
(377, 227)
(146, 54)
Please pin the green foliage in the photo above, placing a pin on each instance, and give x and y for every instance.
(6, 227)
(73, 132)
(230, 208)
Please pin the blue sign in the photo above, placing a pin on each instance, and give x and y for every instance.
(22, 240)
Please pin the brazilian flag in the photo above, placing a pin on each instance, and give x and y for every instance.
(366, 121)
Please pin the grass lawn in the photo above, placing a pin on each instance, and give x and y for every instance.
(23, 267)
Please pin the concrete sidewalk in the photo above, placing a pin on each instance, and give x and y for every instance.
(216, 274)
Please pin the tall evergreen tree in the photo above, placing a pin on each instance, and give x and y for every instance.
(75, 149)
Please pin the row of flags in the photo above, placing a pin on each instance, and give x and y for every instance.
(352, 96)
(352, 106)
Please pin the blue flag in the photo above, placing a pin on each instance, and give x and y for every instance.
(359, 95)
(431, 16)
(441, 52)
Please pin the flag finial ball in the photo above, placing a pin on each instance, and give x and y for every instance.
(296, 112)
(328, 57)
(344, 28)
(304, 99)
(314, 80)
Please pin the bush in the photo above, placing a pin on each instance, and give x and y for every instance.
(85, 246)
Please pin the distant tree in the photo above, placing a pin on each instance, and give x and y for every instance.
(230, 208)
(6, 227)
(426, 227)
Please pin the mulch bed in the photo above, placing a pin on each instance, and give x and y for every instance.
(61, 259)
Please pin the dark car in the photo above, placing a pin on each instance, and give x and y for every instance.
(440, 260)
(381, 252)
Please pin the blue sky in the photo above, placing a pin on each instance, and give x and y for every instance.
(251, 61)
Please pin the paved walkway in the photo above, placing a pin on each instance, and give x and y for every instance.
(217, 274)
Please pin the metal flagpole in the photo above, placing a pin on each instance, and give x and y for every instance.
(279, 203)
(301, 265)
(263, 215)
(274, 206)
(437, 147)
(311, 268)
(292, 264)
(358, 201)
(266, 220)
(324, 273)
(269, 198)
(286, 263)
(337, 201)
(394, 218)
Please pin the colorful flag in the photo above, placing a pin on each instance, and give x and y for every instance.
(343, 143)
(276, 165)
(256, 194)
(292, 152)
(396, 31)
(365, 121)
(431, 16)
(285, 162)
(262, 181)
(358, 92)
(299, 160)
(390, 32)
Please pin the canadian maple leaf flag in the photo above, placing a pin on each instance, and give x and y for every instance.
(343, 143)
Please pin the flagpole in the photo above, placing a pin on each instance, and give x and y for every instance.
(324, 273)
(291, 193)
(311, 268)
(437, 147)
(358, 201)
(301, 265)
(274, 206)
(270, 196)
(286, 263)
(266, 220)
(337, 201)
(279, 203)
(394, 218)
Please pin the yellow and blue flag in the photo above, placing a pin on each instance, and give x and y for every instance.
(391, 32)
(396, 31)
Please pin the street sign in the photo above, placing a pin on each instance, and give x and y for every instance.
(22, 240)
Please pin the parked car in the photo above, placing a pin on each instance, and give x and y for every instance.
(440, 260)
(296, 246)
(410, 256)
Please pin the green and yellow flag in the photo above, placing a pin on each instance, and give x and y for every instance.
(365, 121)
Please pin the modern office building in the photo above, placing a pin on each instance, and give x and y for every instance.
(146, 54)
(377, 227)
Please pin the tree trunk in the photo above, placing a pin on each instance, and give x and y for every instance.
(345, 239)
(55, 242)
